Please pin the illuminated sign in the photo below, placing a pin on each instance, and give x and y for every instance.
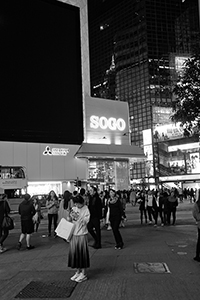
(55, 151)
(9, 182)
(104, 123)
(169, 131)
(180, 63)
(183, 147)
(162, 115)
(147, 137)
(147, 144)
(178, 178)
(13, 183)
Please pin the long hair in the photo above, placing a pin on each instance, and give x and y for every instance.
(49, 195)
(67, 196)
(113, 192)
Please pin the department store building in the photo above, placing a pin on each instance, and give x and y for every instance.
(103, 159)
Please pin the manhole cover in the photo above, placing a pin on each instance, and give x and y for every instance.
(48, 289)
(146, 267)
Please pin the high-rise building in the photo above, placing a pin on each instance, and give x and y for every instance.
(40, 59)
(136, 47)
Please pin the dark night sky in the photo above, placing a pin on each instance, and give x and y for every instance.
(40, 69)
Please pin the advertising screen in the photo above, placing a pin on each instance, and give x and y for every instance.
(41, 82)
(168, 132)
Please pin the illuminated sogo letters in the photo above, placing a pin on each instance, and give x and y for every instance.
(104, 123)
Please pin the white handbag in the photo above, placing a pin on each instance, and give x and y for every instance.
(65, 229)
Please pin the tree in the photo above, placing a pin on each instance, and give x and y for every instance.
(186, 108)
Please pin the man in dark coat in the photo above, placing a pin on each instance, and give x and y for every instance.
(26, 211)
(95, 208)
(4, 210)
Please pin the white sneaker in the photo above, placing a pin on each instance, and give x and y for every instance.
(2, 249)
(76, 275)
(81, 277)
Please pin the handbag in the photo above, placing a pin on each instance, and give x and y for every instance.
(8, 222)
(65, 229)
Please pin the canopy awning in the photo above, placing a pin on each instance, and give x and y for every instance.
(111, 151)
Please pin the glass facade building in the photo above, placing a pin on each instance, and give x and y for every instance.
(137, 48)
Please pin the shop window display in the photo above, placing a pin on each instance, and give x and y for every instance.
(113, 173)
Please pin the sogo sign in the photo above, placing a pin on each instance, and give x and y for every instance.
(104, 123)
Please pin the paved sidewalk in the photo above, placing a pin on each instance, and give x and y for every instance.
(155, 264)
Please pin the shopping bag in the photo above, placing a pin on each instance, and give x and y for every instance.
(65, 229)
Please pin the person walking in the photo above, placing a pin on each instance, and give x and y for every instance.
(172, 205)
(132, 197)
(78, 256)
(196, 215)
(150, 205)
(107, 212)
(26, 210)
(95, 208)
(116, 215)
(160, 203)
(102, 197)
(52, 205)
(4, 210)
(155, 207)
(38, 214)
(165, 207)
(142, 207)
(65, 206)
(123, 199)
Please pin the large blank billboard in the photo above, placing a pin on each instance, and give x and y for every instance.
(40, 69)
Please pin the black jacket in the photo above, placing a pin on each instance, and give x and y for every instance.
(95, 206)
(4, 208)
(116, 210)
(26, 210)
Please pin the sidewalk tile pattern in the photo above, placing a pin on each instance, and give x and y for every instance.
(47, 289)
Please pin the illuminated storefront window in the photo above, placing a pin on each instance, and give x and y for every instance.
(101, 171)
(174, 161)
(110, 173)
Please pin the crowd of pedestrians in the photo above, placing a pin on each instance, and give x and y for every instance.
(92, 211)
(155, 205)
